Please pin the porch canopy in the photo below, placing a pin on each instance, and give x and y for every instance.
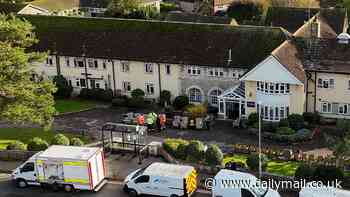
(232, 102)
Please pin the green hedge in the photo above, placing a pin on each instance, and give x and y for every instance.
(76, 142)
(16, 145)
(37, 144)
(195, 151)
(60, 139)
(253, 162)
(171, 145)
(214, 155)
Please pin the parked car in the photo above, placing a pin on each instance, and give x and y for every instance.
(229, 183)
(67, 167)
(162, 179)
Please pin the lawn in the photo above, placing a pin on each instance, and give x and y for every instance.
(285, 168)
(8, 135)
(64, 106)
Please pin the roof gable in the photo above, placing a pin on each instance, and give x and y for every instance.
(271, 70)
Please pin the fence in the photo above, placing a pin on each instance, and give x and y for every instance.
(15, 155)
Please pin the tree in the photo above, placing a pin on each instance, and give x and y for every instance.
(246, 10)
(122, 8)
(206, 8)
(22, 99)
(64, 90)
(341, 149)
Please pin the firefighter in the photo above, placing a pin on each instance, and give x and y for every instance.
(141, 119)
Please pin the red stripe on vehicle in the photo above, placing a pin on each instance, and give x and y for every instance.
(90, 176)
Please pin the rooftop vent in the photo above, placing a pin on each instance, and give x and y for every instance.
(343, 38)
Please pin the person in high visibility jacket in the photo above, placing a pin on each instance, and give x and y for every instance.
(141, 119)
(162, 118)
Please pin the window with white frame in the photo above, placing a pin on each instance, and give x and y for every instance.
(215, 72)
(49, 61)
(148, 67)
(96, 64)
(126, 86)
(272, 88)
(90, 63)
(167, 69)
(343, 109)
(213, 96)
(149, 88)
(125, 66)
(193, 70)
(326, 107)
(195, 95)
(325, 83)
(104, 64)
(273, 113)
(67, 61)
(78, 62)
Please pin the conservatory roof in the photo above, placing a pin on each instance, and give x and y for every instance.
(236, 92)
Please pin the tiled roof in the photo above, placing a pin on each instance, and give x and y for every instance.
(156, 41)
(291, 58)
(58, 5)
(334, 19)
(326, 55)
(184, 17)
(289, 18)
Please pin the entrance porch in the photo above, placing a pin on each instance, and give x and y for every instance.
(232, 103)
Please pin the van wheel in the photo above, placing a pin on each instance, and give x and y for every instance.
(21, 183)
(68, 188)
(55, 187)
(132, 193)
(174, 195)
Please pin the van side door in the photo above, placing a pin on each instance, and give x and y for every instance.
(28, 173)
(143, 184)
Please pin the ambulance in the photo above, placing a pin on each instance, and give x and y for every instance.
(162, 179)
(67, 167)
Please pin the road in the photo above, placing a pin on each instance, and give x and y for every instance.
(112, 189)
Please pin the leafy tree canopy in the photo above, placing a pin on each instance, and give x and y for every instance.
(21, 98)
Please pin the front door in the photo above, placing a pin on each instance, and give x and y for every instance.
(93, 83)
(232, 110)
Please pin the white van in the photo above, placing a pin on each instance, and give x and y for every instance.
(322, 191)
(162, 179)
(229, 183)
(69, 167)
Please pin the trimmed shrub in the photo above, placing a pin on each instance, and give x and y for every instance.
(285, 131)
(76, 142)
(304, 172)
(180, 102)
(165, 96)
(328, 173)
(136, 102)
(343, 124)
(253, 162)
(37, 144)
(214, 155)
(137, 93)
(171, 145)
(16, 145)
(195, 150)
(84, 93)
(312, 118)
(253, 118)
(283, 123)
(120, 102)
(269, 126)
(197, 110)
(60, 139)
(181, 151)
(104, 95)
(296, 121)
